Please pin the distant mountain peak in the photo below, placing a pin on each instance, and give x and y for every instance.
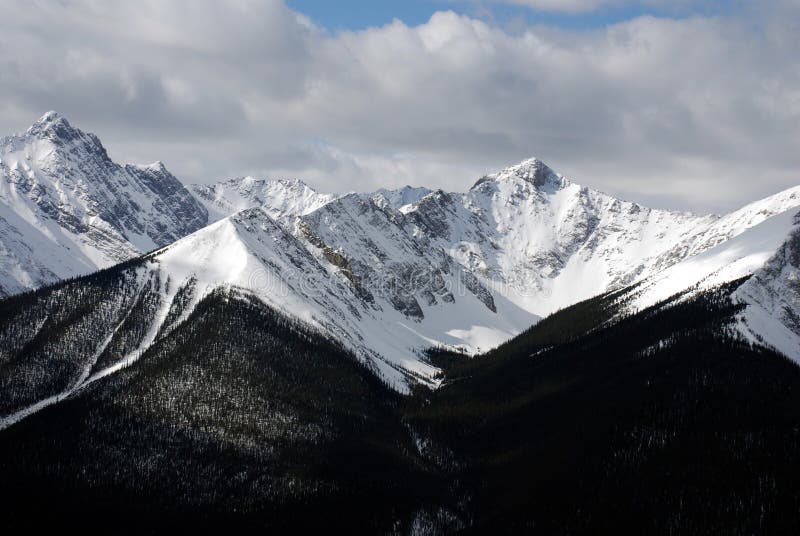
(532, 170)
(156, 167)
(249, 182)
(294, 182)
(66, 208)
(49, 121)
(55, 128)
(48, 117)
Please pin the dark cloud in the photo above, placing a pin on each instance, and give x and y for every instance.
(698, 112)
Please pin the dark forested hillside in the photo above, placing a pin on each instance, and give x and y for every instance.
(50, 339)
(661, 423)
(239, 418)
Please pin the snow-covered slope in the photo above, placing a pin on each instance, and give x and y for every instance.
(67, 209)
(252, 251)
(769, 251)
(746, 253)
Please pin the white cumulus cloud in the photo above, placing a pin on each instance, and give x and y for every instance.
(698, 112)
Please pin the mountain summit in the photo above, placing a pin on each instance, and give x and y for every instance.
(67, 209)
(531, 170)
(53, 126)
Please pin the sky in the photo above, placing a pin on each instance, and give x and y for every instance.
(682, 104)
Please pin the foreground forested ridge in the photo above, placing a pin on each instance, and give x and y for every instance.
(665, 421)
(238, 417)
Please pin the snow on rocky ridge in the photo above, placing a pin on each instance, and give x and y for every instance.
(388, 273)
(281, 198)
(67, 209)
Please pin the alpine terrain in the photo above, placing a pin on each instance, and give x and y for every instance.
(68, 210)
(527, 355)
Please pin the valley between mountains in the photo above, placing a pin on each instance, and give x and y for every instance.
(398, 361)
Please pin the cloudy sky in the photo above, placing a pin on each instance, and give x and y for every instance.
(691, 104)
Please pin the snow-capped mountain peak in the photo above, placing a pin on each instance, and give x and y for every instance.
(533, 171)
(55, 129)
(158, 165)
(49, 120)
(67, 209)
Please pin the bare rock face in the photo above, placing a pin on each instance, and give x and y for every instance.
(471, 282)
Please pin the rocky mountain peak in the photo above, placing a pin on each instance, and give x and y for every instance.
(48, 119)
(259, 185)
(532, 171)
(535, 172)
(67, 208)
(282, 198)
(53, 126)
(59, 135)
(296, 184)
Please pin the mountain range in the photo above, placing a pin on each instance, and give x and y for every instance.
(389, 273)
(269, 333)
